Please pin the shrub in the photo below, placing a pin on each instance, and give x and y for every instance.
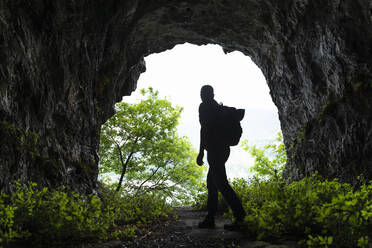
(317, 212)
(140, 209)
(53, 217)
(8, 230)
(44, 216)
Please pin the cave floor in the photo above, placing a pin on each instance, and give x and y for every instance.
(184, 232)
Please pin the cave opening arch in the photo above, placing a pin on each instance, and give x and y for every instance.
(64, 65)
(179, 74)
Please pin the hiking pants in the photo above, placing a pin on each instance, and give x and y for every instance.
(217, 181)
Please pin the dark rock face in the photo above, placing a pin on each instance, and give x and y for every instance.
(63, 65)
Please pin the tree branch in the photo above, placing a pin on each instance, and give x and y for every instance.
(153, 173)
(166, 162)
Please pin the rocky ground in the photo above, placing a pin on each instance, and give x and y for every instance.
(183, 232)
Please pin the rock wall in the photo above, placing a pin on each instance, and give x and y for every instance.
(63, 65)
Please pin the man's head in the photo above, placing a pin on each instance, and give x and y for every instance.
(206, 93)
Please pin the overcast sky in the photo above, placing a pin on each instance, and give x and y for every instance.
(178, 74)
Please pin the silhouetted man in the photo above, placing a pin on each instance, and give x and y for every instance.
(218, 153)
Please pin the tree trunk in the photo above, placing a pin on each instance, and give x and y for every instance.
(124, 165)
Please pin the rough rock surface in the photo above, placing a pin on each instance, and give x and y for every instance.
(63, 65)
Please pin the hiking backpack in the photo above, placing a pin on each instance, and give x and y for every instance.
(229, 126)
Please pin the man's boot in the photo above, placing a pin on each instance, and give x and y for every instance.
(208, 222)
(236, 225)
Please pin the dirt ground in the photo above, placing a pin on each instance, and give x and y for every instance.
(184, 232)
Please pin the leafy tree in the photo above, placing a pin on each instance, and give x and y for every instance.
(269, 161)
(140, 143)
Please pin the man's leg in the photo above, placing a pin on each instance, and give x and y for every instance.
(228, 193)
(217, 159)
(212, 203)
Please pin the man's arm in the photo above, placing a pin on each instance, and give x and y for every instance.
(203, 123)
(202, 140)
(200, 157)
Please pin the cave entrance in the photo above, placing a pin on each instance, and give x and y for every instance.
(178, 75)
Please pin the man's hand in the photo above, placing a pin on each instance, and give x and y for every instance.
(199, 159)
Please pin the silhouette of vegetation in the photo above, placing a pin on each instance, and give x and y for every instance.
(141, 145)
(315, 211)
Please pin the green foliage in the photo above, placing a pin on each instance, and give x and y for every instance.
(316, 211)
(141, 143)
(55, 217)
(7, 229)
(264, 166)
(42, 215)
(130, 209)
(319, 241)
(348, 216)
